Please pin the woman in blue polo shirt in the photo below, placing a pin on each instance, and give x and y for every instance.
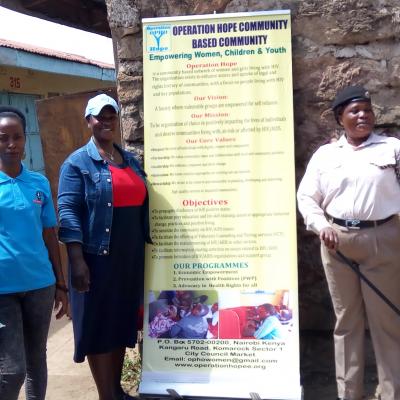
(31, 280)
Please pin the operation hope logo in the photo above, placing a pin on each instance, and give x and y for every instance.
(158, 38)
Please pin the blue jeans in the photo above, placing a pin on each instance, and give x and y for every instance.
(24, 326)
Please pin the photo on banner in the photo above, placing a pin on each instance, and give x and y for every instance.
(221, 296)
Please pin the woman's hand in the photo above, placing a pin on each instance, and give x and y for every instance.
(330, 238)
(80, 275)
(61, 303)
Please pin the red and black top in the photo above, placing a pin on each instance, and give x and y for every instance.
(127, 187)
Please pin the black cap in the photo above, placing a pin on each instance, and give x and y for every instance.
(350, 94)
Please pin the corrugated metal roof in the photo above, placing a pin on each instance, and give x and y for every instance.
(53, 53)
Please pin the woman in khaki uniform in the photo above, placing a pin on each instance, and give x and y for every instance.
(350, 197)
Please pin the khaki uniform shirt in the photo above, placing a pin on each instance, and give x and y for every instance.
(350, 182)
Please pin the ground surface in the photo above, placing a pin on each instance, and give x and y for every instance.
(67, 380)
(317, 367)
(70, 381)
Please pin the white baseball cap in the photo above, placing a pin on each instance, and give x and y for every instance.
(97, 103)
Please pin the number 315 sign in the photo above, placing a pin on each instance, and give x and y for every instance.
(15, 82)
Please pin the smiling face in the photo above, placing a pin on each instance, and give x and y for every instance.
(358, 120)
(12, 141)
(105, 125)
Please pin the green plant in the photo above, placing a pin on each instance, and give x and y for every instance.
(131, 370)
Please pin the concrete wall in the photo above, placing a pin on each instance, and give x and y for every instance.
(335, 42)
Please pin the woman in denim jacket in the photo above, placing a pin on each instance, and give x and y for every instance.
(103, 210)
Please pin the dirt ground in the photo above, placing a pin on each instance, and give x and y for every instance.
(317, 367)
(70, 381)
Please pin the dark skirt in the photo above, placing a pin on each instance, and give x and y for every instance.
(106, 317)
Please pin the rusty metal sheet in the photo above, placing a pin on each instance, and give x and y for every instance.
(63, 129)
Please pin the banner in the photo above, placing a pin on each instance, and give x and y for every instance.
(221, 312)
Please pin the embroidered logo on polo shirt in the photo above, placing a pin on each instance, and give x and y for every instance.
(39, 197)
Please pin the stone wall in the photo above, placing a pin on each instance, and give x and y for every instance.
(335, 42)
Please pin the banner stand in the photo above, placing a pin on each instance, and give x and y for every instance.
(221, 293)
(173, 394)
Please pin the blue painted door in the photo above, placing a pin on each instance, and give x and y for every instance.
(33, 148)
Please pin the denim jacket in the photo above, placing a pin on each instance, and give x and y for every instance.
(85, 199)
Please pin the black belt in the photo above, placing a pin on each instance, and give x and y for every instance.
(358, 224)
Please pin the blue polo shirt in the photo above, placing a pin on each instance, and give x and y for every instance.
(26, 207)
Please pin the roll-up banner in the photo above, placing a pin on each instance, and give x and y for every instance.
(221, 310)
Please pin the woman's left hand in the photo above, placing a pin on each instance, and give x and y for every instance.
(330, 238)
(60, 303)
